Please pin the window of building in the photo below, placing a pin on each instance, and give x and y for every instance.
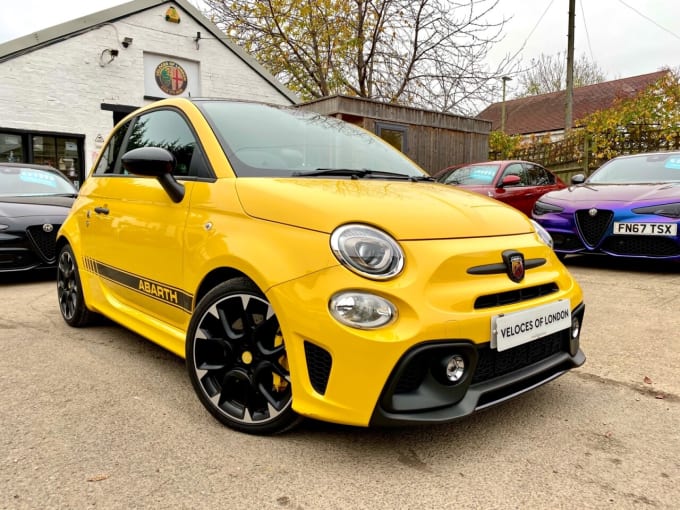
(58, 151)
(393, 134)
(11, 148)
(61, 151)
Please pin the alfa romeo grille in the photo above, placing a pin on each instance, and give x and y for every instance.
(44, 242)
(592, 228)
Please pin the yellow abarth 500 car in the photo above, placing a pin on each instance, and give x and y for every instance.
(304, 267)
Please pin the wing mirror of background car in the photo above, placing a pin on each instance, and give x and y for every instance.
(578, 179)
(510, 180)
(155, 162)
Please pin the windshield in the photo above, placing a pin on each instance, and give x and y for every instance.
(472, 174)
(646, 168)
(262, 140)
(27, 181)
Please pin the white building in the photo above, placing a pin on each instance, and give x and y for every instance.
(62, 89)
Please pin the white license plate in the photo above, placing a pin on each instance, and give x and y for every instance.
(513, 329)
(646, 229)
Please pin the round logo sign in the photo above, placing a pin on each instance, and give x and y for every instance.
(171, 78)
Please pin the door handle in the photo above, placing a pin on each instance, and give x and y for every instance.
(101, 210)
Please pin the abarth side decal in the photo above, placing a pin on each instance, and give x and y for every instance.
(155, 290)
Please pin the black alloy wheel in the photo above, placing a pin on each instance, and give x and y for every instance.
(70, 291)
(236, 359)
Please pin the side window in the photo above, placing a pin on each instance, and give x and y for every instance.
(516, 169)
(169, 130)
(107, 162)
(544, 177)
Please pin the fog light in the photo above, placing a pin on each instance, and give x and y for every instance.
(361, 310)
(455, 368)
(575, 332)
(575, 327)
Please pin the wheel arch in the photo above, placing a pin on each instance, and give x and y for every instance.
(214, 278)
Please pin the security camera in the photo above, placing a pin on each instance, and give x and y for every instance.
(114, 53)
(127, 41)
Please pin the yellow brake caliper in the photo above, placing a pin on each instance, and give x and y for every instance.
(278, 382)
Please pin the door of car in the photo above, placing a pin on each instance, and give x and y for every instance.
(138, 240)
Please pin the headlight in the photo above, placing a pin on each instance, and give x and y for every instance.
(668, 210)
(361, 310)
(543, 233)
(3, 227)
(367, 251)
(541, 208)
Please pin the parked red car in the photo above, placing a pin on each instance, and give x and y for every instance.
(517, 183)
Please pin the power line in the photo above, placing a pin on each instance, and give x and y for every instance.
(650, 19)
(585, 28)
(534, 29)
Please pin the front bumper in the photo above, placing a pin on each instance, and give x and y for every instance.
(578, 232)
(356, 377)
(28, 247)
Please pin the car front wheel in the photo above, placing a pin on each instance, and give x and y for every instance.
(236, 359)
(70, 291)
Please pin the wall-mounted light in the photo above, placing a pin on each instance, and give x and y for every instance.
(197, 38)
(127, 41)
(171, 15)
(107, 56)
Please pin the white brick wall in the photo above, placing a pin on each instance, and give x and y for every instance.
(60, 88)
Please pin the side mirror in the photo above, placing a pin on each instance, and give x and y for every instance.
(578, 179)
(155, 162)
(510, 180)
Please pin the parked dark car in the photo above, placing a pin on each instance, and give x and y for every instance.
(630, 207)
(517, 183)
(34, 201)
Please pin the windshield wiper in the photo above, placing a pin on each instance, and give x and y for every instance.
(341, 172)
(360, 173)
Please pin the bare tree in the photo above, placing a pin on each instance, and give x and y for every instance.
(427, 53)
(548, 74)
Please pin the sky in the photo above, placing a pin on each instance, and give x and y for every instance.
(623, 37)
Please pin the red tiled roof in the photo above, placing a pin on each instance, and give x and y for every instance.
(545, 112)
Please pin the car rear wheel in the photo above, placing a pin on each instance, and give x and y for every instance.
(236, 359)
(70, 291)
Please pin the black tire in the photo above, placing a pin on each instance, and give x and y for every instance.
(70, 291)
(236, 359)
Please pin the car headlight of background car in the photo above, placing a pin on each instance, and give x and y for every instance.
(367, 251)
(542, 233)
(668, 210)
(541, 208)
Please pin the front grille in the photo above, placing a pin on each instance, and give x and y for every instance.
(643, 246)
(319, 364)
(492, 363)
(592, 228)
(44, 243)
(515, 296)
